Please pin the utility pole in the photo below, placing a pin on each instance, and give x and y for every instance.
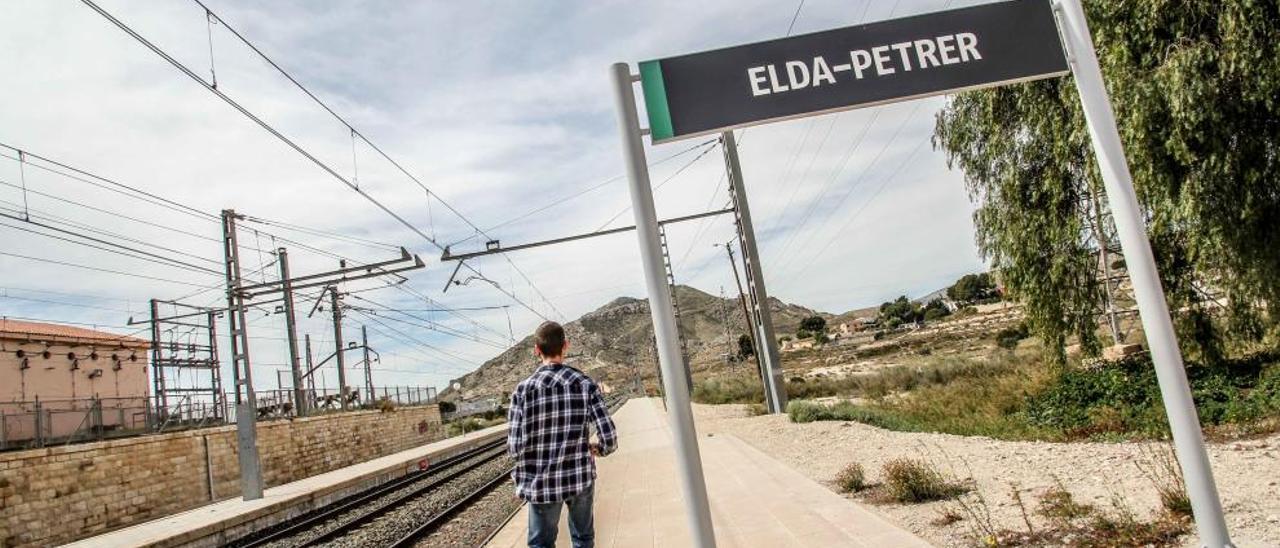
(336, 304)
(771, 364)
(368, 365)
(746, 313)
(311, 379)
(724, 320)
(242, 372)
(291, 332)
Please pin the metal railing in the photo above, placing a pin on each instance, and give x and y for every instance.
(46, 422)
(41, 423)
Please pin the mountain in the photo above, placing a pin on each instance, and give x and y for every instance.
(614, 345)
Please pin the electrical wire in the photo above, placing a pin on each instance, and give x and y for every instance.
(325, 167)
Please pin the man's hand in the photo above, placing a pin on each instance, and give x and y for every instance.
(595, 449)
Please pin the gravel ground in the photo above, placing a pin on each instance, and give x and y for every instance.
(1247, 472)
(399, 522)
(316, 532)
(477, 521)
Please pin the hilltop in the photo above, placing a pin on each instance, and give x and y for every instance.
(613, 343)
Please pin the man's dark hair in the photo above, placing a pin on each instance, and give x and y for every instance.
(549, 338)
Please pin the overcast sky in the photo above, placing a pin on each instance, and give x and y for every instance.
(499, 108)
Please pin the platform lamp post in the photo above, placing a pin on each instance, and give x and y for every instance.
(679, 411)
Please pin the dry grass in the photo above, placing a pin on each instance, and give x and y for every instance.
(851, 479)
(1070, 523)
(910, 481)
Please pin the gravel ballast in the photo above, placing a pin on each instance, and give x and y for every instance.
(1247, 472)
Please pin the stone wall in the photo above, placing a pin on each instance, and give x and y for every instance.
(55, 495)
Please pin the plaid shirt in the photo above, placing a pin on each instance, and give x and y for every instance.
(547, 433)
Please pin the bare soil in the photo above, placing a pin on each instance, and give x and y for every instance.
(1247, 472)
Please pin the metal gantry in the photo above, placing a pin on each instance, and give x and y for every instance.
(201, 399)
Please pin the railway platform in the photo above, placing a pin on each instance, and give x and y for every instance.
(756, 501)
(224, 522)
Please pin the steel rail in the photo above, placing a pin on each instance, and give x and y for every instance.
(443, 517)
(395, 502)
(357, 500)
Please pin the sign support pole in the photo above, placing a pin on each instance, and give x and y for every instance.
(771, 363)
(679, 411)
(1183, 420)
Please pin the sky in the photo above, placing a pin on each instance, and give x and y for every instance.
(503, 111)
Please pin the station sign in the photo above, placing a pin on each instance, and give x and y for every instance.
(851, 67)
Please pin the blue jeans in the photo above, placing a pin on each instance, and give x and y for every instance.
(544, 521)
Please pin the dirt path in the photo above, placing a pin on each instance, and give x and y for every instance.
(1247, 472)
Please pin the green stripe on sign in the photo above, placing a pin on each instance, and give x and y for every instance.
(655, 101)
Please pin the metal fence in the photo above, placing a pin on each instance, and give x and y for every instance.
(39, 423)
(42, 423)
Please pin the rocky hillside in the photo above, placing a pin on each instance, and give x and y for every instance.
(613, 343)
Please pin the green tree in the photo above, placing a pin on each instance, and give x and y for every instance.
(1196, 89)
(900, 311)
(972, 287)
(814, 324)
(745, 346)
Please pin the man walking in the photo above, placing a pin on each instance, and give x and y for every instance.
(548, 438)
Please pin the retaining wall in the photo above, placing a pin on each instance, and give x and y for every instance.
(55, 495)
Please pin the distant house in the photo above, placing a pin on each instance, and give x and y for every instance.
(799, 344)
(864, 323)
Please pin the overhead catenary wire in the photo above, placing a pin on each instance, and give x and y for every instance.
(116, 249)
(129, 191)
(325, 167)
(97, 269)
(81, 226)
(602, 184)
(906, 160)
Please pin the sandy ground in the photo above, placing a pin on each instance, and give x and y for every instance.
(1247, 472)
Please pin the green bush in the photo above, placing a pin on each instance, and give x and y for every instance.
(735, 389)
(913, 481)
(851, 479)
(1009, 336)
(1124, 396)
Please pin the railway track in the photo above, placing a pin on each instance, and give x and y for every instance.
(421, 509)
(490, 507)
(344, 523)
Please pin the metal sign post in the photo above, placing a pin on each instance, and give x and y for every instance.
(1183, 421)
(910, 58)
(680, 413)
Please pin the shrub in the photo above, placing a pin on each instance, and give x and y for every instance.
(736, 389)
(1009, 336)
(756, 410)
(913, 481)
(851, 479)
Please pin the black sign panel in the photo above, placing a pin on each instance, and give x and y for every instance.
(851, 67)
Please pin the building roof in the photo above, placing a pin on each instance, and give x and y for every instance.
(52, 332)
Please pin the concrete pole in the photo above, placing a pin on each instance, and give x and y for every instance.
(368, 365)
(337, 345)
(680, 413)
(775, 390)
(1183, 421)
(291, 333)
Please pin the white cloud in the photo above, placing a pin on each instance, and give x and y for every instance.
(498, 107)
